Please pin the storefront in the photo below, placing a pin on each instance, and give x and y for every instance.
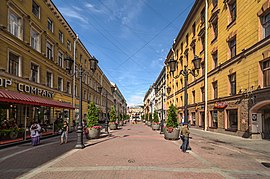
(21, 104)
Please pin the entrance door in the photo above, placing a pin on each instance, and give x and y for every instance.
(266, 123)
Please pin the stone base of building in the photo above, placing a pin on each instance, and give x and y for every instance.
(256, 136)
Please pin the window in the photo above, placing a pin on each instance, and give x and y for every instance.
(214, 115)
(232, 79)
(49, 50)
(215, 59)
(232, 46)
(193, 97)
(194, 49)
(60, 59)
(50, 24)
(203, 41)
(34, 73)
(35, 40)
(49, 79)
(215, 89)
(266, 73)
(202, 93)
(15, 24)
(60, 84)
(84, 94)
(194, 29)
(232, 119)
(61, 37)
(81, 58)
(203, 16)
(265, 20)
(187, 39)
(215, 29)
(76, 90)
(215, 3)
(68, 87)
(181, 47)
(232, 9)
(13, 64)
(35, 9)
(68, 45)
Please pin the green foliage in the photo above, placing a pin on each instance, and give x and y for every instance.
(156, 117)
(142, 117)
(120, 117)
(92, 115)
(172, 117)
(112, 114)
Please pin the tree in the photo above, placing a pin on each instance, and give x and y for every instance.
(112, 114)
(155, 117)
(92, 115)
(172, 117)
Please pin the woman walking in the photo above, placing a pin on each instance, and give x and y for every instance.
(35, 136)
(64, 135)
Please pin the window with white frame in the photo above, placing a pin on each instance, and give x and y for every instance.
(68, 87)
(49, 79)
(35, 39)
(60, 59)
(265, 21)
(266, 73)
(15, 24)
(232, 10)
(215, 89)
(49, 50)
(69, 45)
(60, 84)
(35, 9)
(34, 73)
(14, 64)
(232, 46)
(61, 36)
(232, 80)
(50, 25)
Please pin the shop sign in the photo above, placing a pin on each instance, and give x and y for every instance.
(5, 82)
(220, 105)
(26, 88)
(33, 90)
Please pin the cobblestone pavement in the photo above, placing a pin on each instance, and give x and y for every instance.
(136, 151)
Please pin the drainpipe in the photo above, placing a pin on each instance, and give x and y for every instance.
(74, 78)
(206, 69)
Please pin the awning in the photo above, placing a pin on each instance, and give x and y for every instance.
(19, 98)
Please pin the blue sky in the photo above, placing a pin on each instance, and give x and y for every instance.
(130, 38)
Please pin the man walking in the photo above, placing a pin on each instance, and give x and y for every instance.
(185, 132)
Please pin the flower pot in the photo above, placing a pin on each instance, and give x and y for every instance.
(155, 126)
(93, 133)
(149, 123)
(113, 126)
(121, 123)
(171, 133)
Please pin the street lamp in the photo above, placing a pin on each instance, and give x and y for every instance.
(162, 110)
(93, 67)
(106, 119)
(196, 62)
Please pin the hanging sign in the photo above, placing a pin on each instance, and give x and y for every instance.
(220, 105)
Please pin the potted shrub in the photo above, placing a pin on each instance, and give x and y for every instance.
(171, 130)
(155, 123)
(112, 123)
(92, 122)
(121, 120)
(149, 119)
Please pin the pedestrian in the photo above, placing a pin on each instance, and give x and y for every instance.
(35, 133)
(185, 137)
(64, 135)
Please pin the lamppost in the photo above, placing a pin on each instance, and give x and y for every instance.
(162, 110)
(106, 119)
(93, 67)
(172, 64)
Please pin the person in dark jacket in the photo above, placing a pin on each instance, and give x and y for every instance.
(185, 132)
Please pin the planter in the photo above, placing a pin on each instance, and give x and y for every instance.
(171, 135)
(93, 133)
(149, 123)
(113, 126)
(121, 123)
(155, 126)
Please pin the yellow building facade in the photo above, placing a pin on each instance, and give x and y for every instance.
(40, 56)
(233, 35)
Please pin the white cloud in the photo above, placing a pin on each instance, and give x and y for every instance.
(93, 8)
(135, 100)
(72, 13)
